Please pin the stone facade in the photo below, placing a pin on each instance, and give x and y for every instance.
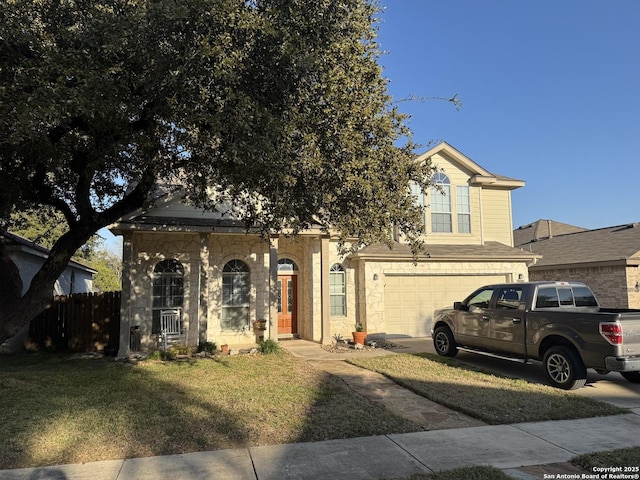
(372, 305)
(203, 257)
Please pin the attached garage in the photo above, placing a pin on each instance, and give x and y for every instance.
(400, 292)
(410, 300)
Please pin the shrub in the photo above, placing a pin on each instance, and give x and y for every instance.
(177, 349)
(207, 347)
(269, 346)
(154, 355)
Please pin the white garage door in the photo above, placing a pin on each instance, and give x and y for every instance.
(411, 300)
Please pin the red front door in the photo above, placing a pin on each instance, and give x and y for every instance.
(287, 304)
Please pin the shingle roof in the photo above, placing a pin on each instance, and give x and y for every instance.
(488, 251)
(542, 229)
(9, 239)
(611, 244)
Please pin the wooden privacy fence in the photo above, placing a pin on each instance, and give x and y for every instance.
(82, 322)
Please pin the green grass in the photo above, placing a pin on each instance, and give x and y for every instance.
(56, 410)
(626, 457)
(617, 459)
(493, 399)
(464, 473)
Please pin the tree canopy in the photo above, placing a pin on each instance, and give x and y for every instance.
(280, 105)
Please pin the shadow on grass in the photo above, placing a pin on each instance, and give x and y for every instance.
(481, 394)
(57, 410)
(70, 411)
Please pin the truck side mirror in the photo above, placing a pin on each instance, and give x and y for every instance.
(458, 306)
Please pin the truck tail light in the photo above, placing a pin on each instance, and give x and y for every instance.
(612, 332)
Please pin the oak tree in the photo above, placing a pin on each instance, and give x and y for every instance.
(279, 105)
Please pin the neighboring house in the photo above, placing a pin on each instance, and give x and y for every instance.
(607, 259)
(219, 279)
(29, 257)
(542, 230)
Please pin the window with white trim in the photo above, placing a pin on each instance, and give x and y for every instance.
(463, 208)
(440, 204)
(418, 199)
(337, 291)
(236, 282)
(167, 291)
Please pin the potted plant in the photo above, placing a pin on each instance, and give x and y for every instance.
(360, 335)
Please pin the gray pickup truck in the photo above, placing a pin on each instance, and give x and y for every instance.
(559, 323)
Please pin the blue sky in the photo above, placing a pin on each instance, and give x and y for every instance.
(550, 92)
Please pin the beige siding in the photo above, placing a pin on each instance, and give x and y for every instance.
(496, 217)
(458, 177)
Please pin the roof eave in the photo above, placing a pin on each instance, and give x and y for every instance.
(620, 262)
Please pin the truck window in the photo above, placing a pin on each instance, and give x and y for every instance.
(509, 298)
(584, 297)
(566, 297)
(547, 298)
(480, 299)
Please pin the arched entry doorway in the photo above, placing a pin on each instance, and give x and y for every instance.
(287, 297)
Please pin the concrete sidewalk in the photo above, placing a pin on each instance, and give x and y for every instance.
(525, 451)
(508, 447)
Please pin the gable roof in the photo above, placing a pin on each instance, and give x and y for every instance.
(618, 245)
(542, 229)
(31, 248)
(478, 175)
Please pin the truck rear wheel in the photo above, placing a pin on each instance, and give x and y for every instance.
(444, 343)
(564, 368)
(633, 377)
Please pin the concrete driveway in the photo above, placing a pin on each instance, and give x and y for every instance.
(611, 388)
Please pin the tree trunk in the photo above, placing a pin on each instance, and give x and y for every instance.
(15, 315)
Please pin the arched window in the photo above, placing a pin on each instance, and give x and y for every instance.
(337, 291)
(286, 265)
(236, 282)
(168, 289)
(440, 203)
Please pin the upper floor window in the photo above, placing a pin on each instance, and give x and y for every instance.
(463, 208)
(442, 200)
(235, 295)
(168, 289)
(418, 199)
(440, 195)
(337, 291)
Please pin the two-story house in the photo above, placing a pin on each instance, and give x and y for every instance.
(220, 279)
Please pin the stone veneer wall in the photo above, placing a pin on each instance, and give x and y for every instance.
(345, 325)
(614, 286)
(148, 250)
(255, 253)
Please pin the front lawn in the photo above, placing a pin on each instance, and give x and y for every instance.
(493, 399)
(56, 410)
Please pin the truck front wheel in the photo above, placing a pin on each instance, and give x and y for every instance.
(564, 368)
(444, 343)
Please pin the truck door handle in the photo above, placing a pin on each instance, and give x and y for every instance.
(517, 321)
(485, 318)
